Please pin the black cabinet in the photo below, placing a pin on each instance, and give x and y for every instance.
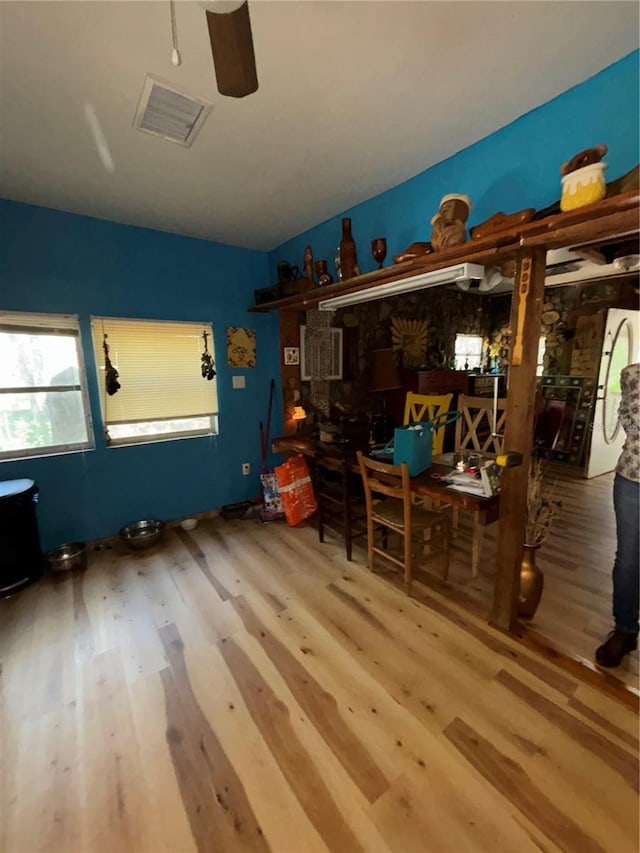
(20, 554)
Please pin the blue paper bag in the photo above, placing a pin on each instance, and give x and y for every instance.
(413, 444)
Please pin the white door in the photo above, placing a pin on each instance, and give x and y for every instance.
(621, 346)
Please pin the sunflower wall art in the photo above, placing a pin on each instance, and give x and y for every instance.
(410, 337)
(241, 347)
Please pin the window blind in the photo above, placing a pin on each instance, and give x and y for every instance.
(46, 324)
(159, 370)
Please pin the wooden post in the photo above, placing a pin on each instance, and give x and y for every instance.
(526, 321)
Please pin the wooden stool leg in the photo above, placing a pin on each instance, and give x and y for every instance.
(407, 561)
(346, 515)
(476, 546)
(317, 482)
(446, 532)
(455, 517)
(370, 535)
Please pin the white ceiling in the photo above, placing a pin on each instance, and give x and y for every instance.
(354, 98)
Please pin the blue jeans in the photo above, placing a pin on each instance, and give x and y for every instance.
(626, 568)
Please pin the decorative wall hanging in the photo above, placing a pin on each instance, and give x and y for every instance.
(291, 355)
(110, 373)
(319, 342)
(241, 347)
(410, 338)
(206, 367)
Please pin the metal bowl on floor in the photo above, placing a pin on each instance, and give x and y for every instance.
(71, 555)
(142, 534)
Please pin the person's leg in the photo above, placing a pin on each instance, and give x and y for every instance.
(626, 571)
(626, 568)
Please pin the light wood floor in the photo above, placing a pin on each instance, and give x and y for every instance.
(243, 688)
(577, 559)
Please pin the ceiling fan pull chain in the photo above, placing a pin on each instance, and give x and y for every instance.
(176, 59)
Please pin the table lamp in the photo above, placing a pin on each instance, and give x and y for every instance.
(299, 416)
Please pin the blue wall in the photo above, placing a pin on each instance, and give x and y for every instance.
(62, 263)
(516, 167)
(57, 262)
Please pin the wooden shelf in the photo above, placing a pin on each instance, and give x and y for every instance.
(595, 223)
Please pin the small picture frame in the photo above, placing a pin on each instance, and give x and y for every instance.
(291, 355)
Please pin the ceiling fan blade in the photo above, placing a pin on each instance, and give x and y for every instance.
(232, 48)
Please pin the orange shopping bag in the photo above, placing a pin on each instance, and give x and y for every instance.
(296, 490)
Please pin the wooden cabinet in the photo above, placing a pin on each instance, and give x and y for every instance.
(483, 384)
(442, 382)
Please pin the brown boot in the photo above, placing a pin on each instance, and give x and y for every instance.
(615, 647)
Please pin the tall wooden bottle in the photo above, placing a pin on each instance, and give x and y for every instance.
(348, 257)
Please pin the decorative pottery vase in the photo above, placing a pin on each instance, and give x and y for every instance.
(531, 583)
(307, 263)
(322, 273)
(348, 256)
(583, 186)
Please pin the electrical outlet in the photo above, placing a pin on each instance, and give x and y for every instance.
(246, 468)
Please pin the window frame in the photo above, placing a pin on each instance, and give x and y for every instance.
(542, 346)
(51, 330)
(213, 429)
(337, 343)
(455, 348)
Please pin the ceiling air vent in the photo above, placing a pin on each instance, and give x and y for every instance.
(164, 111)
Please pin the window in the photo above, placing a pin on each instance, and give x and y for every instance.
(468, 351)
(43, 399)
(162, 391)
(542, 346)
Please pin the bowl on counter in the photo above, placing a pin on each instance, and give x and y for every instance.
(189, 523)
(66, 558)
(142, 534)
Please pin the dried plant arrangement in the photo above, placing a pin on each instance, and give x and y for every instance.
(542, 506)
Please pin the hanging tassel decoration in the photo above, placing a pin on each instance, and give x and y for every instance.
(206, 367)
(110, 373)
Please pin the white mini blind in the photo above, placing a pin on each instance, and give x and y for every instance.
(159, 370)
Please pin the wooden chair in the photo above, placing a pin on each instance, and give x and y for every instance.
(475, 428)
(395, 513)
(475, 434)
(426, 407)
(339, 495)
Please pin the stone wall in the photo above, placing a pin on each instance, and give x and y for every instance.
(367, 327)
(570, 342)
(573, 321)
